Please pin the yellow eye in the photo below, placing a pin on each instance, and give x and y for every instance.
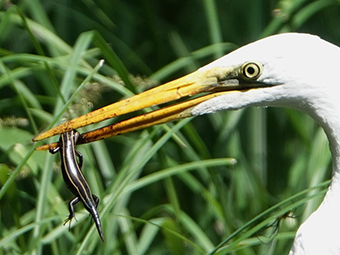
(251, 70)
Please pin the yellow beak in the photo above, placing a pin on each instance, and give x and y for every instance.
(206, 83)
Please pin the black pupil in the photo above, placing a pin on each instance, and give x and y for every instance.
(250, 70)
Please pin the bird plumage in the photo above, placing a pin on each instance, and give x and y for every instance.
(292, 70)
(299, 71)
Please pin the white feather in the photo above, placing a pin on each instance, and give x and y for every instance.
(303, 70)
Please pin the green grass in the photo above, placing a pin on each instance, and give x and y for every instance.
(210, 185)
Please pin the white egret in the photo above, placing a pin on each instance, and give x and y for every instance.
(301, 72)
(288, 70)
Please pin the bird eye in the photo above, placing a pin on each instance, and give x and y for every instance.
(251, 70)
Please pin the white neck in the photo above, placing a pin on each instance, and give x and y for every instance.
(331, 126)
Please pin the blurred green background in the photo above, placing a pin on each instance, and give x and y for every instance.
(217, 184)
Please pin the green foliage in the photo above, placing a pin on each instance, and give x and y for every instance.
(211, 185)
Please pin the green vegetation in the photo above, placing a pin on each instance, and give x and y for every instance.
(210, 185)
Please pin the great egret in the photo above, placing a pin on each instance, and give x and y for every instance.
(288, 70)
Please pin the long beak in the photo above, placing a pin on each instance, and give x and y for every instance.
(207, 83)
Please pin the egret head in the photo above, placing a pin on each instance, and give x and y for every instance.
(289, 70)
(295, 70)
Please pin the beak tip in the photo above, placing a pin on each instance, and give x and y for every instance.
(47, 134)
(38, 138)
